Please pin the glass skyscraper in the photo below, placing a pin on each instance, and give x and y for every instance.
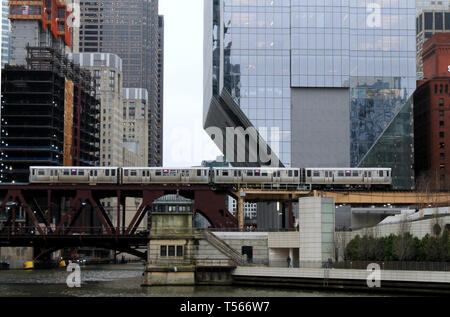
(6, 30)
(331, 75)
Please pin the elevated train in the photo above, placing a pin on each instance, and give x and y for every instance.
(292, 178)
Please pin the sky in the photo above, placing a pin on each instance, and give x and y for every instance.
(185, 142)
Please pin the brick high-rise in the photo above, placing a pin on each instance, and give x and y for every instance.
(432, 115)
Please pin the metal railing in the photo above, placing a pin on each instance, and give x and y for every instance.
(395, 265)
(222, 246)
(67, 231)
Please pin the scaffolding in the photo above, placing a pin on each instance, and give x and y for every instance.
(34, 125)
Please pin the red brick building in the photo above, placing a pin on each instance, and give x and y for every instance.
(432, 116)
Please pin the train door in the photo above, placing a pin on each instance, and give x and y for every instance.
(185, 176)
(368, 180)
(146, 176)
(93, 176)
(237, 176)
(276, 178)
(329, 177)
(53, 175)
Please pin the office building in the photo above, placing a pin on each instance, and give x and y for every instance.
(329, 77)
(135, 132)
(159, 119)
(431, 112)
(129, 29)
(107, 71)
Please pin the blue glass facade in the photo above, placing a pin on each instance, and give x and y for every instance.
(256, 46)
(272, 46)
(6, 29)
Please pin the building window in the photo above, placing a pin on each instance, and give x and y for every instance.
(441, 134)
(441, 124)
(441, 101)
(179, 250)
(428, 20)
(163, 250)
(442, 156)
(442, 145)
(171, 250)
(441, 113)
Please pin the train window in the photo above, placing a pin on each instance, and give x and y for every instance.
(81, 173)
(348, 173)
(290, 173)
(148, 173)
(316, 174)
(66, 172)
(326, 173)
(308, 173)
(133, 173)
(41, 173)
(387, 173)
(113, 172)
(173, 173)
(224, 173)
(95, 173)
(381, 173)
(257, 172)
(106, 172)
(125, 172)
(355, 174)
(370, 174)
(295, 173)
(235, 173)
(264, 174)
(73, 172)
(341, 174)
(249, 173)
(166, 171)
(199, 173)
(158, 173)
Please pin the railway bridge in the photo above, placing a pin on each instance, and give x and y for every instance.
(51, 217)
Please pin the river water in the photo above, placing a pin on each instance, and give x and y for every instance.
(124, 280)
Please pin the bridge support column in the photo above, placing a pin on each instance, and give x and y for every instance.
(240, 212)
(316, 219)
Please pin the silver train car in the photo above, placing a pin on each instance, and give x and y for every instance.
(217, 177)
(349, 177)
(253, 176)
(160, 175)
(74, 175)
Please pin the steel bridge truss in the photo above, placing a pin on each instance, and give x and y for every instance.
(50, 218)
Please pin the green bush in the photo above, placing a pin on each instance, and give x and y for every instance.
(403, 247)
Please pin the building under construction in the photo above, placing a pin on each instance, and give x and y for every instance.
(49, 111)
(49, 115)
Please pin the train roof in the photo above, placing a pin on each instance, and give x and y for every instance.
(255, 168)
(347, 168)
(76, 167)
(166, 168)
